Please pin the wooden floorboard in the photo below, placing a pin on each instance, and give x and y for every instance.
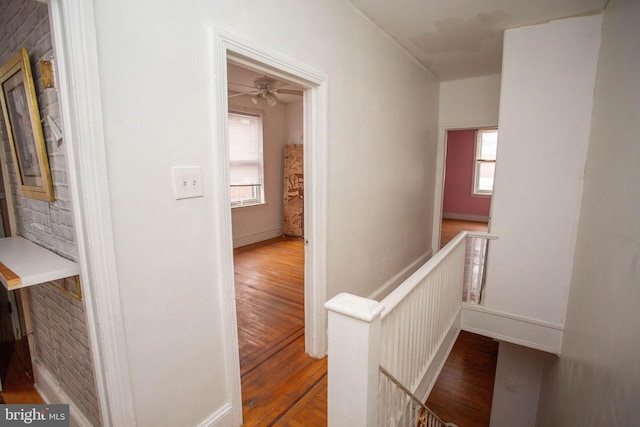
(451, 227)
(275, 387)
(18, 385)
(463, 391)
(310, 410)
(281, 385)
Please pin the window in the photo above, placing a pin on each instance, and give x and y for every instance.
(245, 159)
(485, 161)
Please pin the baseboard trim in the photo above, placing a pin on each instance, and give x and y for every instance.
(52, 393)
(249, 239)
(396, 280)
(509, 327)
(465, 217)
(221, 417)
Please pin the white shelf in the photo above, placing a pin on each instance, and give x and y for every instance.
(23, 263)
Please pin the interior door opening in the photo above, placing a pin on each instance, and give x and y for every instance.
(266, 167)
(470, 161)
(231, 49)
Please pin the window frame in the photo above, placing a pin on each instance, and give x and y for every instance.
(259, 193)
(477, 161)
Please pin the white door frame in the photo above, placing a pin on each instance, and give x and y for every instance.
(441, 156)
(76, 54)
(229, 47)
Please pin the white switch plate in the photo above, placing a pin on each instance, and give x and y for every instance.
(187, 182)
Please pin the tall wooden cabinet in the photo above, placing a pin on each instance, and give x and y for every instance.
(293, 223)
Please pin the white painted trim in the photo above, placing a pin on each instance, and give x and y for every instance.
(315, 207)
(226, 47)
(249, 239)
(353, 367)
(465, 217)
(441, 154)
(396, 280)
(513, 328)
(76, 51)
(221, 417)
(356, 307)
(52, 393)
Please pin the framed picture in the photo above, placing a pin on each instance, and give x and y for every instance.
(24, 129)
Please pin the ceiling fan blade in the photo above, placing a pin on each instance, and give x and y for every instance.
(289, 92)
(238, 94)
(241, 84)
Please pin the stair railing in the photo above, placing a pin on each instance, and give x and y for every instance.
(399, 407)
(410, 333)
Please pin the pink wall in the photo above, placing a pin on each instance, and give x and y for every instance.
(458, 183)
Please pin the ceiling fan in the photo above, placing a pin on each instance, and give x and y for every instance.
(263, 89)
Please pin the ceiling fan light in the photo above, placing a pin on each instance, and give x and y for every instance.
(255, 99)
(271, 99)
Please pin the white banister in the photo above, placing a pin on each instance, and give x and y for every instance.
(409, 333)
(354, 360)
(422, 315)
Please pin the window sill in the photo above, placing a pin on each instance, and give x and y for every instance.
(248, 205)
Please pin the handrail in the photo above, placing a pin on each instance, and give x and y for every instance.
(482, 235)
(408, 333)
(424, 413)
(405, 288)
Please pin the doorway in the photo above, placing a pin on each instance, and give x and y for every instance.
(470, 160)
(266, 165)
(229, 48)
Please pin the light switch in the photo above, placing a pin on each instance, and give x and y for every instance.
(187, 182)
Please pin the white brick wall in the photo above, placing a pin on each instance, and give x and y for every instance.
(59, 321)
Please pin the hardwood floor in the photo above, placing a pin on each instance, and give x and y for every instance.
(18, 385)
(451, 228)
(463, 391)
(281, 385)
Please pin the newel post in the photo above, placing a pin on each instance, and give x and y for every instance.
(354, 360)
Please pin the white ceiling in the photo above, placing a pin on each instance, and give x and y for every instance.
(456, 39)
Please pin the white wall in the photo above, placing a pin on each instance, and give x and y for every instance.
(470, 102)
(294, 112)
(517, 386)
(596, 382)
(156, 77)
(548, 77)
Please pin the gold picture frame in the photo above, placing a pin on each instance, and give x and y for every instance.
(24, 128)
